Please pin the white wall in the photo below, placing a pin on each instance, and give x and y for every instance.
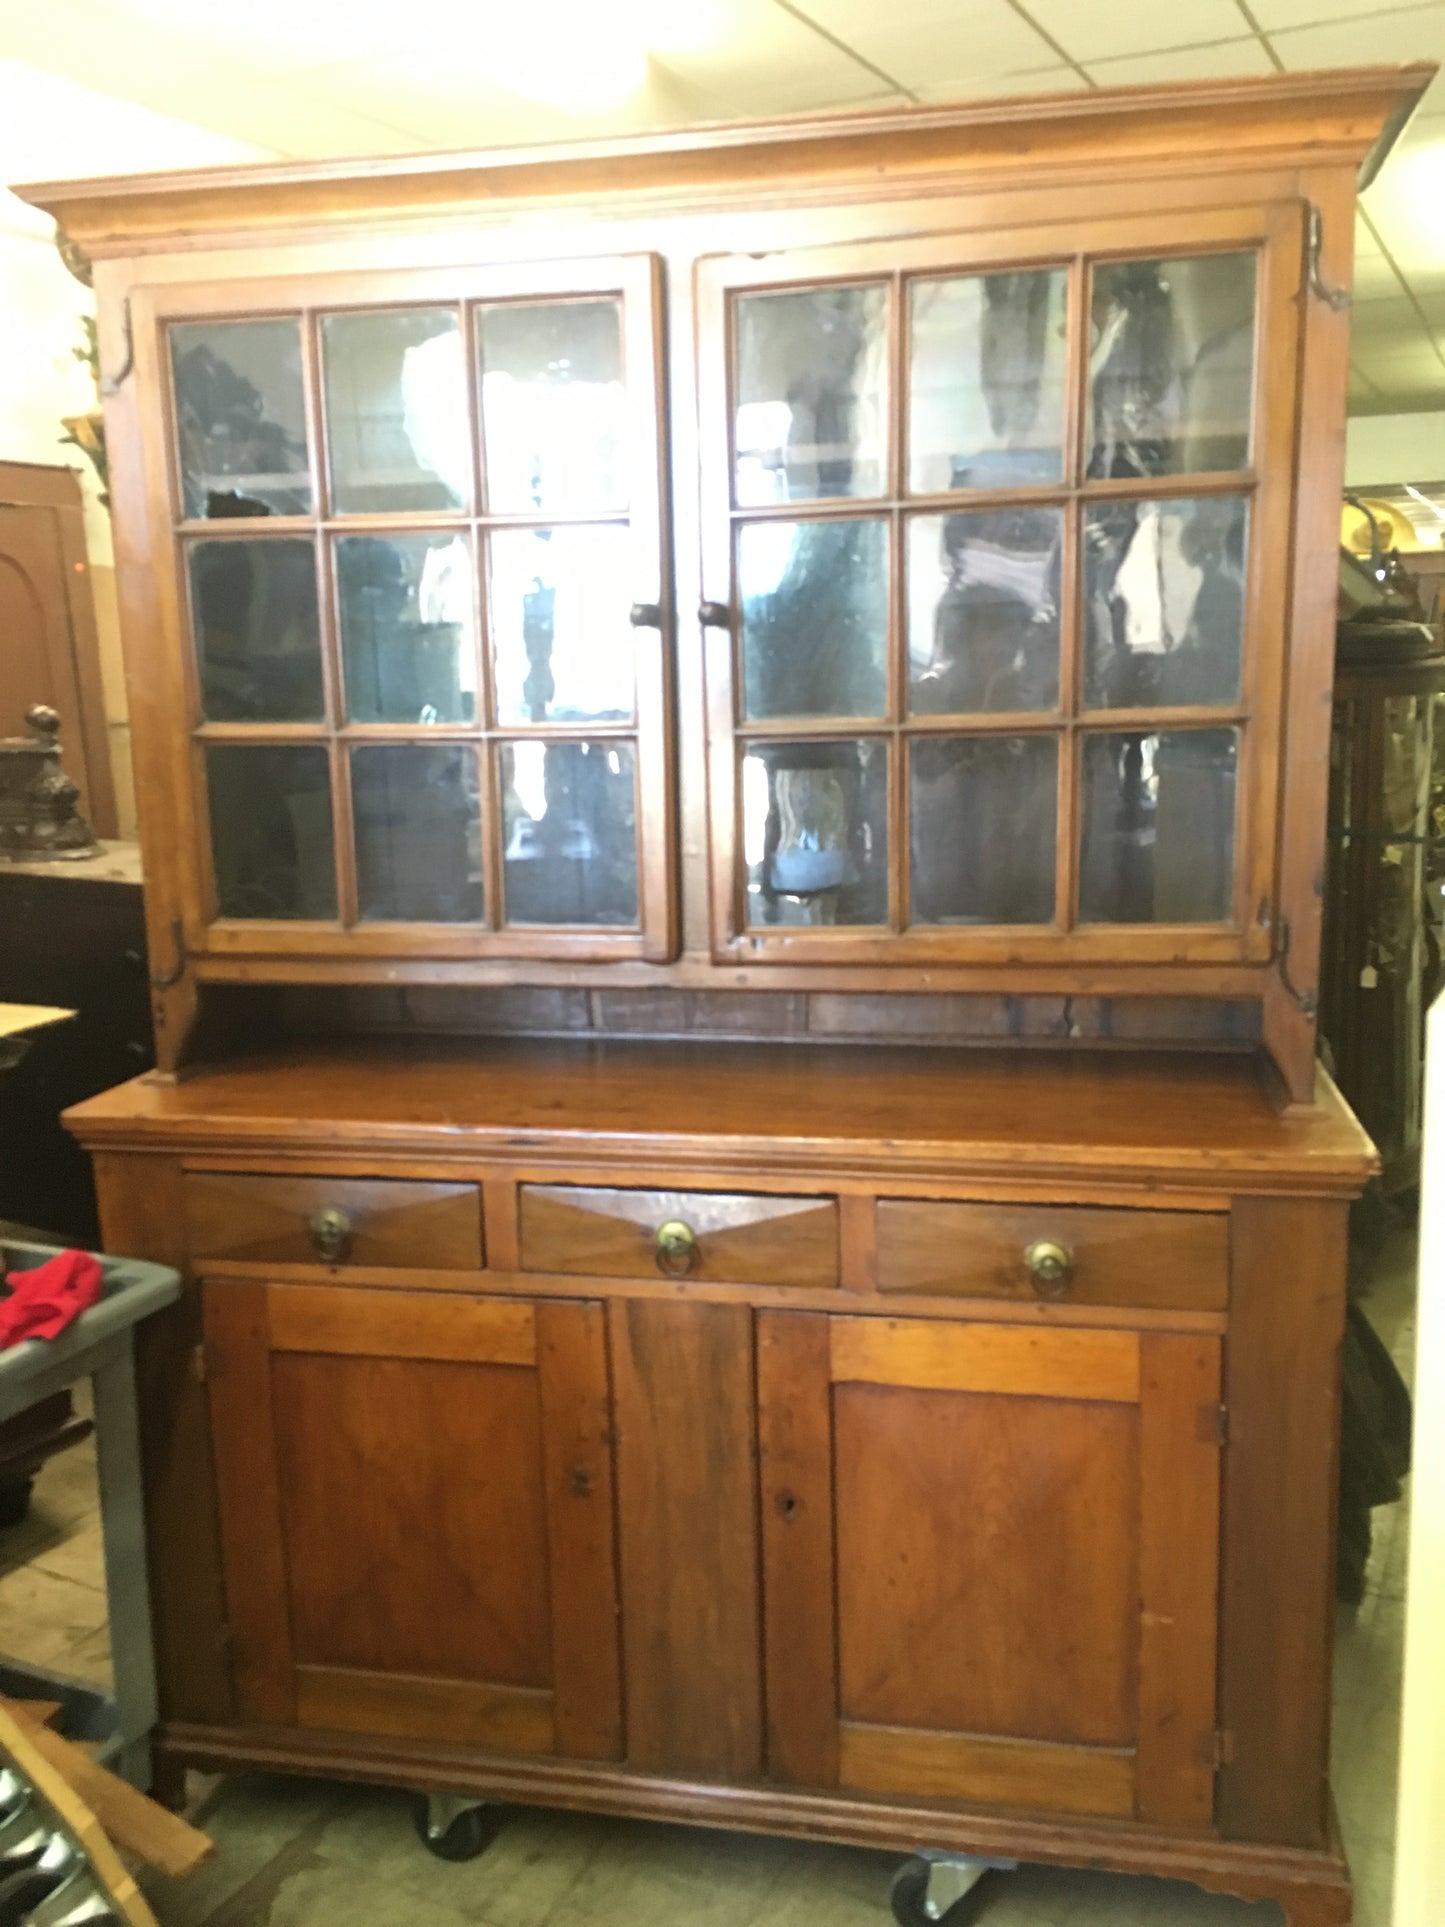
(50, 129)
(1385, 450)
(1420, 1837)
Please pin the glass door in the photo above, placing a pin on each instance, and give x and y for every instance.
(996, 531)
(417, 530)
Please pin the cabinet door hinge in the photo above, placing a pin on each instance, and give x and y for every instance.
(1336, 299)
(1213, 1424)
(1222, 1748)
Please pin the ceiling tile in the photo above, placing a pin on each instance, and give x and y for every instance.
(1219, 61)
(1273, 14)
(1039, 80)
(1393, 318)
(51, 127)
(763, 60)
(1375, 278)
(1090, 30)
(1393, 33)
(921, 43)
(281, 35)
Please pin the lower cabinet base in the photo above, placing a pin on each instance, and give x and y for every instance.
(1312, 1887)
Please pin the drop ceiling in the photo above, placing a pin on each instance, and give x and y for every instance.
(323, 78)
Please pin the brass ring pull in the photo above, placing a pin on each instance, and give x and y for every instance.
(675, 1248)
(1051, 1266)
(331, 1235)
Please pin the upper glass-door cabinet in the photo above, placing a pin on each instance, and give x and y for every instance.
(420, 614)
(995, 543)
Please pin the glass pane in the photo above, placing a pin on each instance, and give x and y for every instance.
(983, 813)
(1159, 827)
(812, 401)
(418, 832)
(396, 411)
(815, 618)
(815, 832)
(569, 814)
(404, 603)
(258, 636)
(1164, 602)
(562, 644)
(983, 611)
(240, 418)
(1171, 365)
(554, 410)
(986, 379)
(271, 842)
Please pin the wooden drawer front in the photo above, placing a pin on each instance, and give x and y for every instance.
(389, 1221)
(1168, 1260)
(740, 1239)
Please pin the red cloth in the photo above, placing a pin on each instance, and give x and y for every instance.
(42, 1302)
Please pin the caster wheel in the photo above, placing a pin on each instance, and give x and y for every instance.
(908, 1897)
(459, 1835)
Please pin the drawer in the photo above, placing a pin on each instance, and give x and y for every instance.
(714, 1237)
(1169, 1260)
(359, 1221)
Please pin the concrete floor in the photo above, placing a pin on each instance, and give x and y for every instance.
(293, 1853)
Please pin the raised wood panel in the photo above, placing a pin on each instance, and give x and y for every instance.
(795, 1476)
(343, 1319)
(413, 1517)
(266, 1219)
(1281, 1469)
(1018, 1360)
(459, 1712)
(576, 1420)
(747, 1239)
(1008, 1773)
(248, 1486)
(139, 1200)
(1179, 1456)
(687, 1501)
(1169, 1260)
(988, 1562)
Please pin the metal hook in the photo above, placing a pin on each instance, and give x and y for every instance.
(1336, 299)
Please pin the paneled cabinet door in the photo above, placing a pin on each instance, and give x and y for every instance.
(990, 1558)
(417, 1514)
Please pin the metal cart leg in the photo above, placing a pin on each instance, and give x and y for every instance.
(455, 1826)
(936, 1886)
(122, 1517)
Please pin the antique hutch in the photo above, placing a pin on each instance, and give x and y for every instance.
(732, 732)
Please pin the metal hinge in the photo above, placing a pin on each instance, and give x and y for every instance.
(1221, 1751)
(1308, 1000)
(111, 384)
(1336, 299)
(200, 1365)
(1214, 1424)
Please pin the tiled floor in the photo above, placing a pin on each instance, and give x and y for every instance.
(300, 1854)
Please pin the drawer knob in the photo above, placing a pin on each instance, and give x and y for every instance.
(1050, 1266)
(675, 1247)
(331, 1234)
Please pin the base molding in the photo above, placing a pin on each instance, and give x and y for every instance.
(1312, 1886)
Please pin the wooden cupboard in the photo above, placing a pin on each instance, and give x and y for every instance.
(772, 605)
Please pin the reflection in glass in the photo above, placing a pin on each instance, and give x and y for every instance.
(812, 407)
(983, 611)
(569, 828)
(240, 418)
(815, 832)
(986, 379)
(562, 644)
(396, 410)
(982, 811)
(554, 410)
(1171, 365)
(258, 637)
(271, 840)
(815, 618)
(404, 603)
(1164, 601)
(1158, 838)
(418, 832)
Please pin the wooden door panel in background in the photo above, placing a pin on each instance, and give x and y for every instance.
(1025, 1608)
(410, 1529)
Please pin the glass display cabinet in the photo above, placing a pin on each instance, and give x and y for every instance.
(638, 654)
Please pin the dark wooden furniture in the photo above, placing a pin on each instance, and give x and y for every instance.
(866, 578)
